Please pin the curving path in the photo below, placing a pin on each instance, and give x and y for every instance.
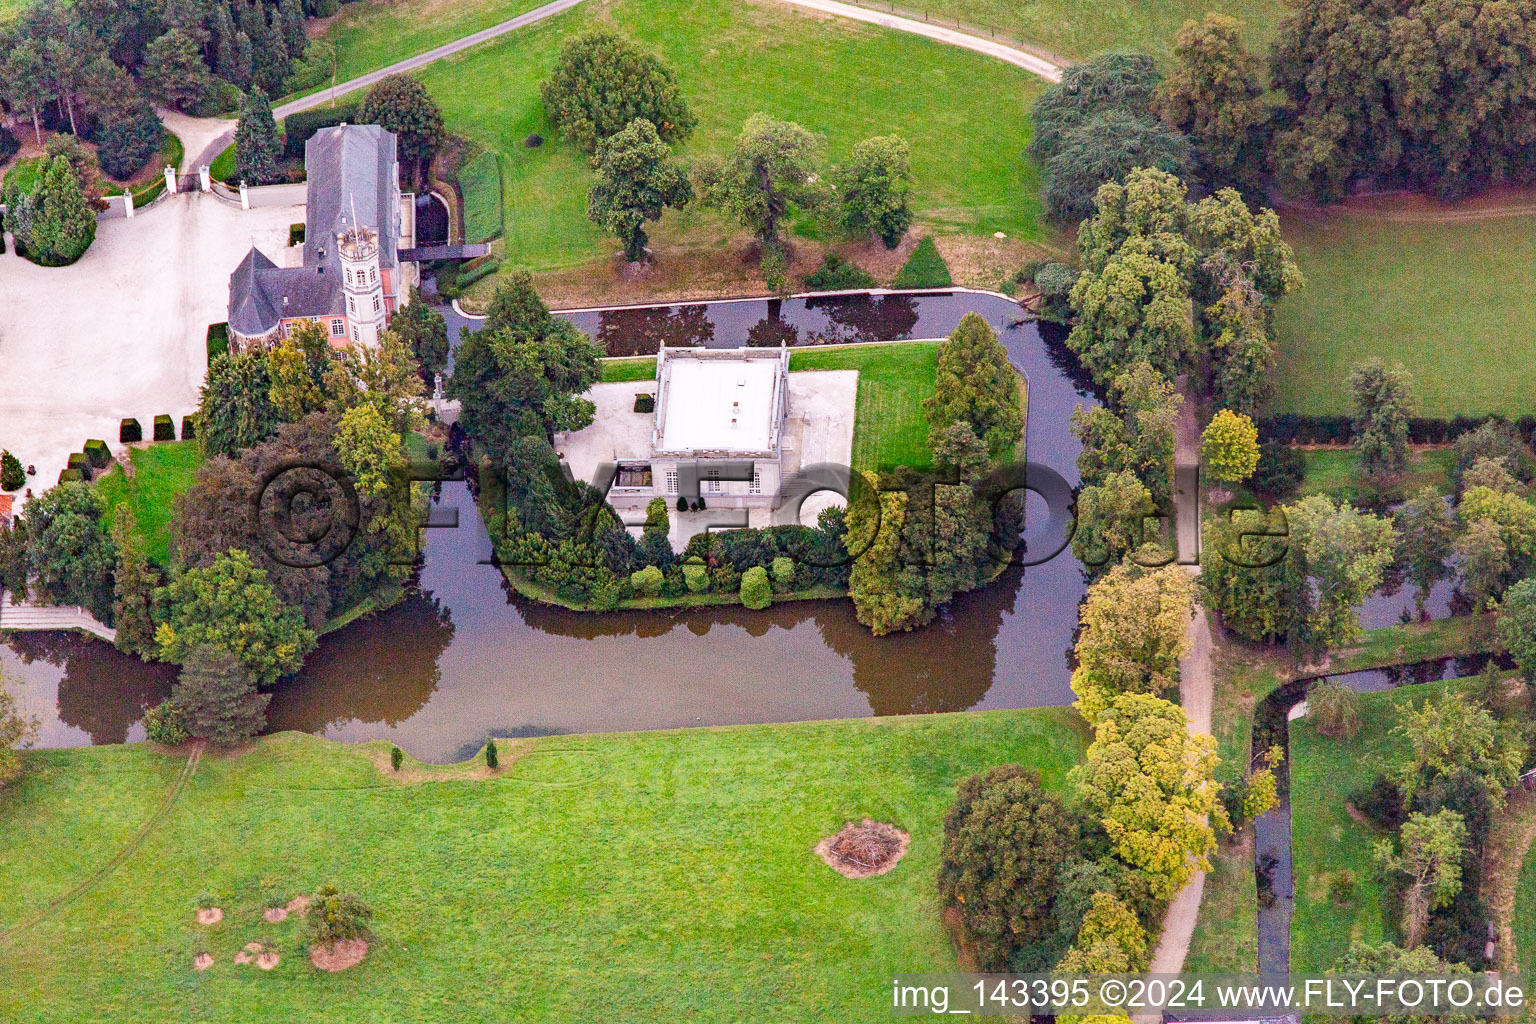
(200, 150)
(1031, 62)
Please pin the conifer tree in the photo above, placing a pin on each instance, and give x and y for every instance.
(256, 144)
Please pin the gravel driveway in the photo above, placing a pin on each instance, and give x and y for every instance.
(123, 331)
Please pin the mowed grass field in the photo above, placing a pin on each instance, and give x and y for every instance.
(161, 471)
(630, 877)
(1453, 302)
(1081, 28)
(965, 115)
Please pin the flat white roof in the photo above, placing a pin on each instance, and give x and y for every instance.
(717, 405)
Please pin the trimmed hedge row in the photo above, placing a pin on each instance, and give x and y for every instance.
(1294, 428)
(297, 128)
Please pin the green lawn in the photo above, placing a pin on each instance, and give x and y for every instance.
(634, 877)
(1081, 28)
(160, 472)
(484, 210)
(889, 425)
(371, 34)
(1524, 921)
(1452, 302)
(621, 371)
(1326, 839)
(734, 58)
(1336, 472)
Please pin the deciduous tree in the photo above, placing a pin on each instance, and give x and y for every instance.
(1005, 843)
(601, 82)
(217, 697)
(134, 584)
(636, 181)
(1426, 529)
(1230, 447)
(69, 550)
(1431, 859)
(769, 169)
(1214, 94)
(230, 608)
(1153, 785)
(875, 186)
(1134, 632)
(424, 333)
(402, 105)
(1383, 402)
(236, 409)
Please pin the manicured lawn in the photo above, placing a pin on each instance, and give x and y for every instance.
(1453, 302)
(889, 426)
(1336, 471)
(1326, 840)
(1082, 28)
(619, 371)
(633, 877)
(161, 471)
(735, 58)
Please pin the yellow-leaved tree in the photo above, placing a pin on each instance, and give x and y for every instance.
(1135, 630)
(1153, 786)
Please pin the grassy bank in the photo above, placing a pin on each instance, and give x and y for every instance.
(734, 59)
(160, 472)
(1336, 472)
(628, 877)
(1451, 300)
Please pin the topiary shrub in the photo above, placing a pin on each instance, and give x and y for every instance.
(129, 431)
(492, 758)
(165, 428)
(12, 476)
(647, 582)
(166, 724)
(696, 576)
(188, 428)
(396, 758)
(756, 591)
(336, 916)
(69, 476)
(836, 274)
(1334, 710)
(645, 403)
(80, 464)
(925, 268)
(97, 454)
(783, 572)
(682, 503)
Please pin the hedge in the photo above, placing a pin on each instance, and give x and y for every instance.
(218, 340)
(1294, 428)
(480, 185)
(69, 476)
(129, 431)
(97, 453)
(297, 128)
(165, 428)
(188, 428)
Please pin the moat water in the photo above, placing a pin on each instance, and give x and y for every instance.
(462, 656)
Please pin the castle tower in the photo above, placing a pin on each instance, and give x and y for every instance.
(358, 248)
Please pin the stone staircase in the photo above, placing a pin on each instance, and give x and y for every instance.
(27, 616)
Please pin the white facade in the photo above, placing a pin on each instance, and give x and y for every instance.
(718, 430)
(358, 249)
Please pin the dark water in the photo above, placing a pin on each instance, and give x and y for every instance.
(462, 656)
(431, 220)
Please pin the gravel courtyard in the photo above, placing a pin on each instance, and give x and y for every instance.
(123, 331)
